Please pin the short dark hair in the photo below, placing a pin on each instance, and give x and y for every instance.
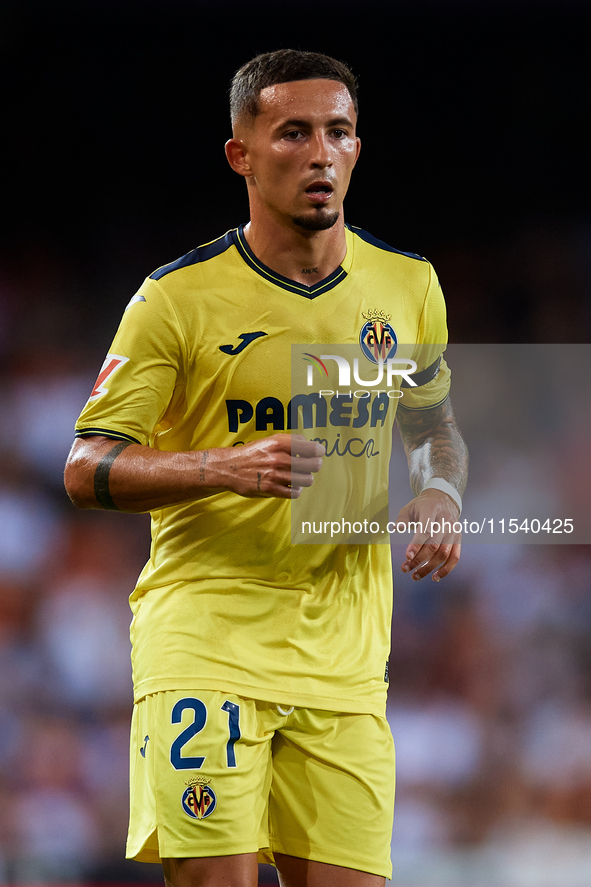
(283, 66)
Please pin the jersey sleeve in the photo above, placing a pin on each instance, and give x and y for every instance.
(136, 384)
(433, 377)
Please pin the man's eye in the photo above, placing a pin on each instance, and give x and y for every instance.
(339, 133)
(293, 134)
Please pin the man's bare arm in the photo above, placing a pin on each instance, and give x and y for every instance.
(103, 473)
(434, 448)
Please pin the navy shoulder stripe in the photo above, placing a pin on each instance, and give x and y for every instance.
(199, 254)
(369, 238)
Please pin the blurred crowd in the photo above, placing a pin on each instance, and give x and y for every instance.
(490, 697)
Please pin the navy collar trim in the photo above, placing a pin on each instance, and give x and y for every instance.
(300, 289)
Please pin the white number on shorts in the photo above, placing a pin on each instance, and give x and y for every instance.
(199, 722)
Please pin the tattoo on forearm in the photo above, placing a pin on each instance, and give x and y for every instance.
(101, 476)
(259, 475)
(204, 458)
(434, 446)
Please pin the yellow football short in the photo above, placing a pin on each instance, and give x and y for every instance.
(214, 774)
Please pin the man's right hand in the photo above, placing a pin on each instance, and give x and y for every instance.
(104, 473)
(277, 466)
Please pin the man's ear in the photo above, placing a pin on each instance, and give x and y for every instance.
(238, 157)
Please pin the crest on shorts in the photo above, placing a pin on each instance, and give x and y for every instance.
(377, 337)
(199, 800)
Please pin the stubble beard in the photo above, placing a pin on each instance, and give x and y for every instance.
(319, 221)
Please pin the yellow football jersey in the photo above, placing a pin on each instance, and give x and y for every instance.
(203, 358)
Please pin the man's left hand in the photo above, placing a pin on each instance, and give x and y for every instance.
(435, 546)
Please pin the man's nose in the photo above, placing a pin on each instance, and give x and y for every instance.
(321, 154)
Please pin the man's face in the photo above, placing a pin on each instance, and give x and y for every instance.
(301, 149)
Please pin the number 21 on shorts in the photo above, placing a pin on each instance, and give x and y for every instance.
(199, 709)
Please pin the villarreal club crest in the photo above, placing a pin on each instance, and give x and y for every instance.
(199, 800)
(377, 337)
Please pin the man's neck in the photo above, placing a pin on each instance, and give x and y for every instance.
(304, 256)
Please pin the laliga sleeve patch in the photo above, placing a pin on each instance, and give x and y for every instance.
(111, 364)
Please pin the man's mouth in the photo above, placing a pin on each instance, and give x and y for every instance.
(322, 187)
(319, 192)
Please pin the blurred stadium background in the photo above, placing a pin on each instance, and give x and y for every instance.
(475, 154)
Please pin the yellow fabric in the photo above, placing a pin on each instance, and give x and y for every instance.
(226, 599)
(313, 784)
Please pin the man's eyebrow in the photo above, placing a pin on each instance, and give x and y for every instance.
(340, 121)
(298, 123)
